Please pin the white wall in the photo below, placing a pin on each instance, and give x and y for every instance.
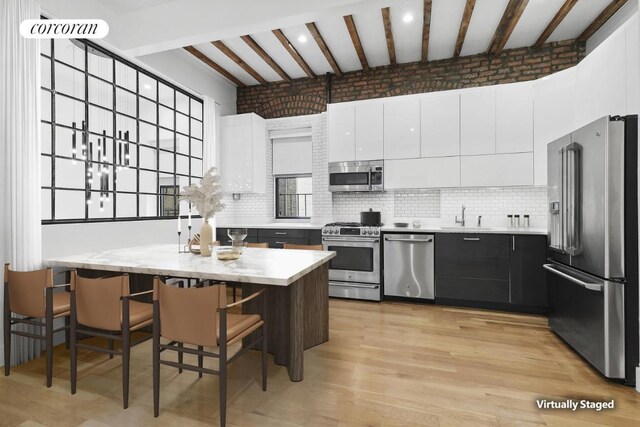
(180, 66)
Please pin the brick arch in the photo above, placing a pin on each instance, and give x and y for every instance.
(292, 105)
(421, 86)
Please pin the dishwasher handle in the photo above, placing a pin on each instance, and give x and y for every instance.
(388, 239)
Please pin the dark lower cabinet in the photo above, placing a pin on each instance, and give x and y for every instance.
(315, 237)
(528, 278)
(491, 270)
(472, 267)
(470, 289)
(275, 237)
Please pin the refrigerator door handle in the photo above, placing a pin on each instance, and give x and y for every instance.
(571, 166)
(563, 201)
(598, 287)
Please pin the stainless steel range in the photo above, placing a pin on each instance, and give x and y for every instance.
(355, 271)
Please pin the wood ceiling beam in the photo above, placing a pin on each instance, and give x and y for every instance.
(265, 57)
(204, 58)
(562, 13)
(388, 33)
(355, 38)
(293, 52)
(510, 18)
(235, 58)
(313, 29)
(464, 26)
(426, 28)
(604, 16)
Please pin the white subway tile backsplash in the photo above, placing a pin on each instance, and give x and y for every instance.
(494, 204)
(416, 203)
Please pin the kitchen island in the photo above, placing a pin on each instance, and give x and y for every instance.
(296, 283)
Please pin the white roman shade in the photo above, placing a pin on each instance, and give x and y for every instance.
(292, 151)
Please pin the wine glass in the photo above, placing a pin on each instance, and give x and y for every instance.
(237, 234)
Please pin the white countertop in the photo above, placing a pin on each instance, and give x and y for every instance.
(279, 267)
(485, 230)
(290, 225)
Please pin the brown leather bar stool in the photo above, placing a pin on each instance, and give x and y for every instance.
(264, 245)
(305, 247)
(104, 308)
(30, 294)
(198, 317)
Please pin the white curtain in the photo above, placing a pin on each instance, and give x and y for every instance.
(210, 133)
(20, 149)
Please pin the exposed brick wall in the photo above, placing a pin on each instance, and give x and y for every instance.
(308, 96)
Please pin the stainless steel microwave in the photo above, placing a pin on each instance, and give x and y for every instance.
(356, 176)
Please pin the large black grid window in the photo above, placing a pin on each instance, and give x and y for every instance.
(117, 142)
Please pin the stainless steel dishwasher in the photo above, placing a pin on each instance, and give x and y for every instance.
(408, 265)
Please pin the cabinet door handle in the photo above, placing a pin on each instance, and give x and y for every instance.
(281, 243)
(513, 242)
(281, 233)
(471, 239)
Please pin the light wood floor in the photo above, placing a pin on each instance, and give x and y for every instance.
(385, 364)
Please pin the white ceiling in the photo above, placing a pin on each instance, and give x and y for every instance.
(135, 23)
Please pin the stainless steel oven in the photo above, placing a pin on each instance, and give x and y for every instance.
(356, 176)
(356, 269)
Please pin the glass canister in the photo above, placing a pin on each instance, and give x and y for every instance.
(526, 221)
(516, 220)
(509, 220)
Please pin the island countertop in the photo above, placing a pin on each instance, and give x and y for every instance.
(279, 267)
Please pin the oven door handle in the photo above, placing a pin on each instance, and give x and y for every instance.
(351, 285)
(349, 239)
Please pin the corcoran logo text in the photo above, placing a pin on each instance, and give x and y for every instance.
(64, 28)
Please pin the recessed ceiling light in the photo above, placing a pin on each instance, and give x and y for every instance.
(408, 17)
(302, 38)
(147, 86)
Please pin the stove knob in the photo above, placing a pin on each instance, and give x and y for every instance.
(376, 232)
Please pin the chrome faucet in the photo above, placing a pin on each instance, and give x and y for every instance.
(461, 221)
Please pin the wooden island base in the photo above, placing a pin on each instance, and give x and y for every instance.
(297, 318)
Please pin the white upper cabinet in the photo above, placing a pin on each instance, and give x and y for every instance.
(553, 116)
(402, 127)
(601, 81)
(243, 158)
(440, 124)
(514, 118)
(497, 170)
(430, 172)
(478, 121)
(369, 126)
(341, 132)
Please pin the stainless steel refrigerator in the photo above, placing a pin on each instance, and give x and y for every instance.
(593, 243)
